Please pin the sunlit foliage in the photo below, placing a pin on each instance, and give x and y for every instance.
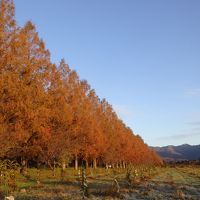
(48, 115)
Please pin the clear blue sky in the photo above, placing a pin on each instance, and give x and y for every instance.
(143, 56)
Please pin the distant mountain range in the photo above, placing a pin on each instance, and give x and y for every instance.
(178, 153)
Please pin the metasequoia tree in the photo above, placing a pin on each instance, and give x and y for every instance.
(49, 115)
(7, 76)
(58, 120)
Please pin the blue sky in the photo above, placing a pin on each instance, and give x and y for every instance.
(142, 56)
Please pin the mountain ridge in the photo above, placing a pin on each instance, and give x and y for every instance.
(179, 152)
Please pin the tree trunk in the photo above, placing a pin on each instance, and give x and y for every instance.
(62, 174)
(94, 163)
(120, 164)
(53, 171)
(106, 166)
(124, 165)
(52, 167)
(86, 163)
(76, 162)
(23, 169)
(63, 165)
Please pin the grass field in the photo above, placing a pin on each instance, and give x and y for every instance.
(142, 183)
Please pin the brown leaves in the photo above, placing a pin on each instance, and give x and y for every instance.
(47, 112)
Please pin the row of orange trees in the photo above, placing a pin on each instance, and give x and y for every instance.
(48, 114)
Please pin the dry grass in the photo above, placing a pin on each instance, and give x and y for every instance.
(162, 183)
(180, 195)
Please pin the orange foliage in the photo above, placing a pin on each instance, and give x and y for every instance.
(47, 113)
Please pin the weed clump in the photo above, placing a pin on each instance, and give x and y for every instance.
(8, 175)
(84, 185)
(180, 195)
